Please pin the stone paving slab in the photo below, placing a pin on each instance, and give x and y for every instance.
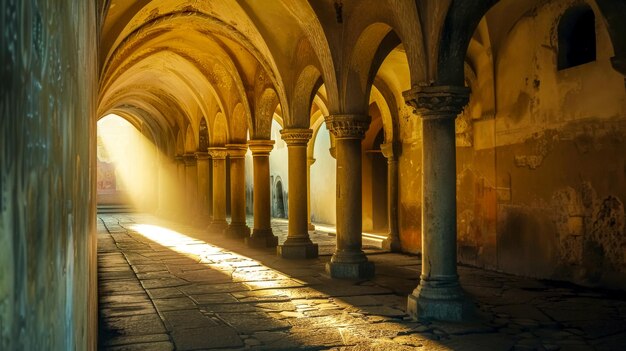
(168, 286)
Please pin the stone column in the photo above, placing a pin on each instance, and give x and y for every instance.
(349, 260)
(392, 151)
(310, 162)
(298, 244)
(218, 222)
(180, 187)
(202, 160)
(439, 294)
(262, 235)
(237, 227)
(191, 186)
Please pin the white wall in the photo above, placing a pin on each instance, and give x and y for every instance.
(323, 180)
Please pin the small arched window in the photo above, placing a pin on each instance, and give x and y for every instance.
(577, 37)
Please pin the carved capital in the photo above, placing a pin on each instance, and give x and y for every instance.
(218, 153)
(261, 147)
(202, 155)
(179, 159)
(296, 137)
(348, 126)
(237, 150)
(434, 102)
(189, 159)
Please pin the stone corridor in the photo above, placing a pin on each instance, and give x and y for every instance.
(167, 286)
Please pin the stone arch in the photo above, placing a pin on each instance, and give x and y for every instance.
(203, 135)
(576, 36)
(265, 107)
(306, 87)
(220, 130)
(279, 209)
(372, 46)
(238, 124)
(190, 141)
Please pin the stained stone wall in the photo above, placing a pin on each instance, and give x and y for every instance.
(542, 188)
(47, 149)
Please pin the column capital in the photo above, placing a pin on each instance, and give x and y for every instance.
(261, 147)
(437, 102)
(296, 137)
(237, 150)
(179, 159)
(391, 150)
(189, 159)
(348, 126)
(310, 161)
(218, 152)
(202, 155)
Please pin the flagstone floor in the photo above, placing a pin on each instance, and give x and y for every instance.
(167, 286)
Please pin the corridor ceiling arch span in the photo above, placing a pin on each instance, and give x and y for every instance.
(174, 75)
(225, 23)
(153, 105)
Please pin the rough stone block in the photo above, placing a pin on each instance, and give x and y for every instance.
(453, 310)
(262, 240)
(350, 270)
(237, 231)
(303, 251)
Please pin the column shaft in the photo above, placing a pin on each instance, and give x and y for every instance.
(439, 294)
(237, 227)
(298, 243)
(203, 188)
(391, 152)
(262, 235)
(310, 162)
(349, 260)
(218, 222)
(191, 187)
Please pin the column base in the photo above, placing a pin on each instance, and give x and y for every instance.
(350, 269)
(445, 303)
(217, 226)
(392, 244)
(202, 221)
(301, 250)
(262, 238)
(237, 230)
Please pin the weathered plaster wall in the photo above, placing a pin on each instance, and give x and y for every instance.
(541, 190)
(47, 154)
(323, 180)
(410, 181)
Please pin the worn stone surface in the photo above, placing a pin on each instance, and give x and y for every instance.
(244, 298)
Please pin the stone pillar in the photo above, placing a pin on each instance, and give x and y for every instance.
(218, 222)
(310, 162)
(237, 227)
(180, 188)
(298, 244)
(202, 161)
(349, 260)
(191, 187)
(262, 235)
(439, 294)
(392, 151)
